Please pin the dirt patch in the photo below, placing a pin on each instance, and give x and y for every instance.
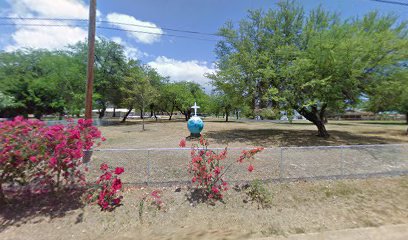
(297, 207)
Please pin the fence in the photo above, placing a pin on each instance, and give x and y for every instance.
(161, 166)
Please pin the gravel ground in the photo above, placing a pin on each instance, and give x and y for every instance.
(297, 207)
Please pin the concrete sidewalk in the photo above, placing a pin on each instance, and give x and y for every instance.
(388, 232)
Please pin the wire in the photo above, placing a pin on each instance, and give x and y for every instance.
(391, 2)
(103, 21)
(161, 34)
(108, 28)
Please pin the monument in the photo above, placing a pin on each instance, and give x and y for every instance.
(195, 125)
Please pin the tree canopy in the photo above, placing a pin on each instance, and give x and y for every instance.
(289, 60)
(43, 82)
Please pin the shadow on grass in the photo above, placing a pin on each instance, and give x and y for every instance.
(385, 123)
(147, 122)
(25, 206)
(348, 123)
(293, 137)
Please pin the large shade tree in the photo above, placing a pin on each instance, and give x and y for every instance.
(40, 82)
(286, 59)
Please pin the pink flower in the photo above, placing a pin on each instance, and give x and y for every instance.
(217, 170)
(117, 184)
(116, 201)
(104, 166)
(250, 168)
(33, 159)
(53, 161)
(215, 190)
(182, 143)
(155, 193)
(106, 176)
(119, 170)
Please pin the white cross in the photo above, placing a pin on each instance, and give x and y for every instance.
(195, 108)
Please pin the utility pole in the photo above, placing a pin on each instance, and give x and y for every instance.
(91, 59)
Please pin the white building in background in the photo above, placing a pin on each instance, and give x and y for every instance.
(119, 112)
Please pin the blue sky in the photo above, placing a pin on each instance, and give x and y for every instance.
(181, 59)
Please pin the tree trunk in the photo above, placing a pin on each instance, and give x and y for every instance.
(114, 112)
(316, 117)
(406, 119)
(171, 113)
(187, 114)
(102, 112)
(325, 120)
(38, 115)
(143, 110)
(127, 114)
(141, 114)
(322, 132)
(226, 116)
(2, 196)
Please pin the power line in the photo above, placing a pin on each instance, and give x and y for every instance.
(391, 2)
(107, 28)
(109, 22)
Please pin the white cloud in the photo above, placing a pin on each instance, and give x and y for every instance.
(114, 18)
(130, 51)
(47, 37)
(49, 8)
(192, 70)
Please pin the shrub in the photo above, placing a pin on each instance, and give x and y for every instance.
(258, 193)
(20, 145)
(45, 156)
(207, 168)
(154, 200)
(105, 191)
(65, 145)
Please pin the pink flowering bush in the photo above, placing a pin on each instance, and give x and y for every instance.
(207, 167)
(20, 144)
(45, 156)
(66, 145)
(105, 191)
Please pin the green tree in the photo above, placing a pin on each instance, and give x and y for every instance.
(36, 80)
(138, 89)
(185, 94)
(169, 97)
(110, 67)
(287, 60)
(6, 101)
(390, 93)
